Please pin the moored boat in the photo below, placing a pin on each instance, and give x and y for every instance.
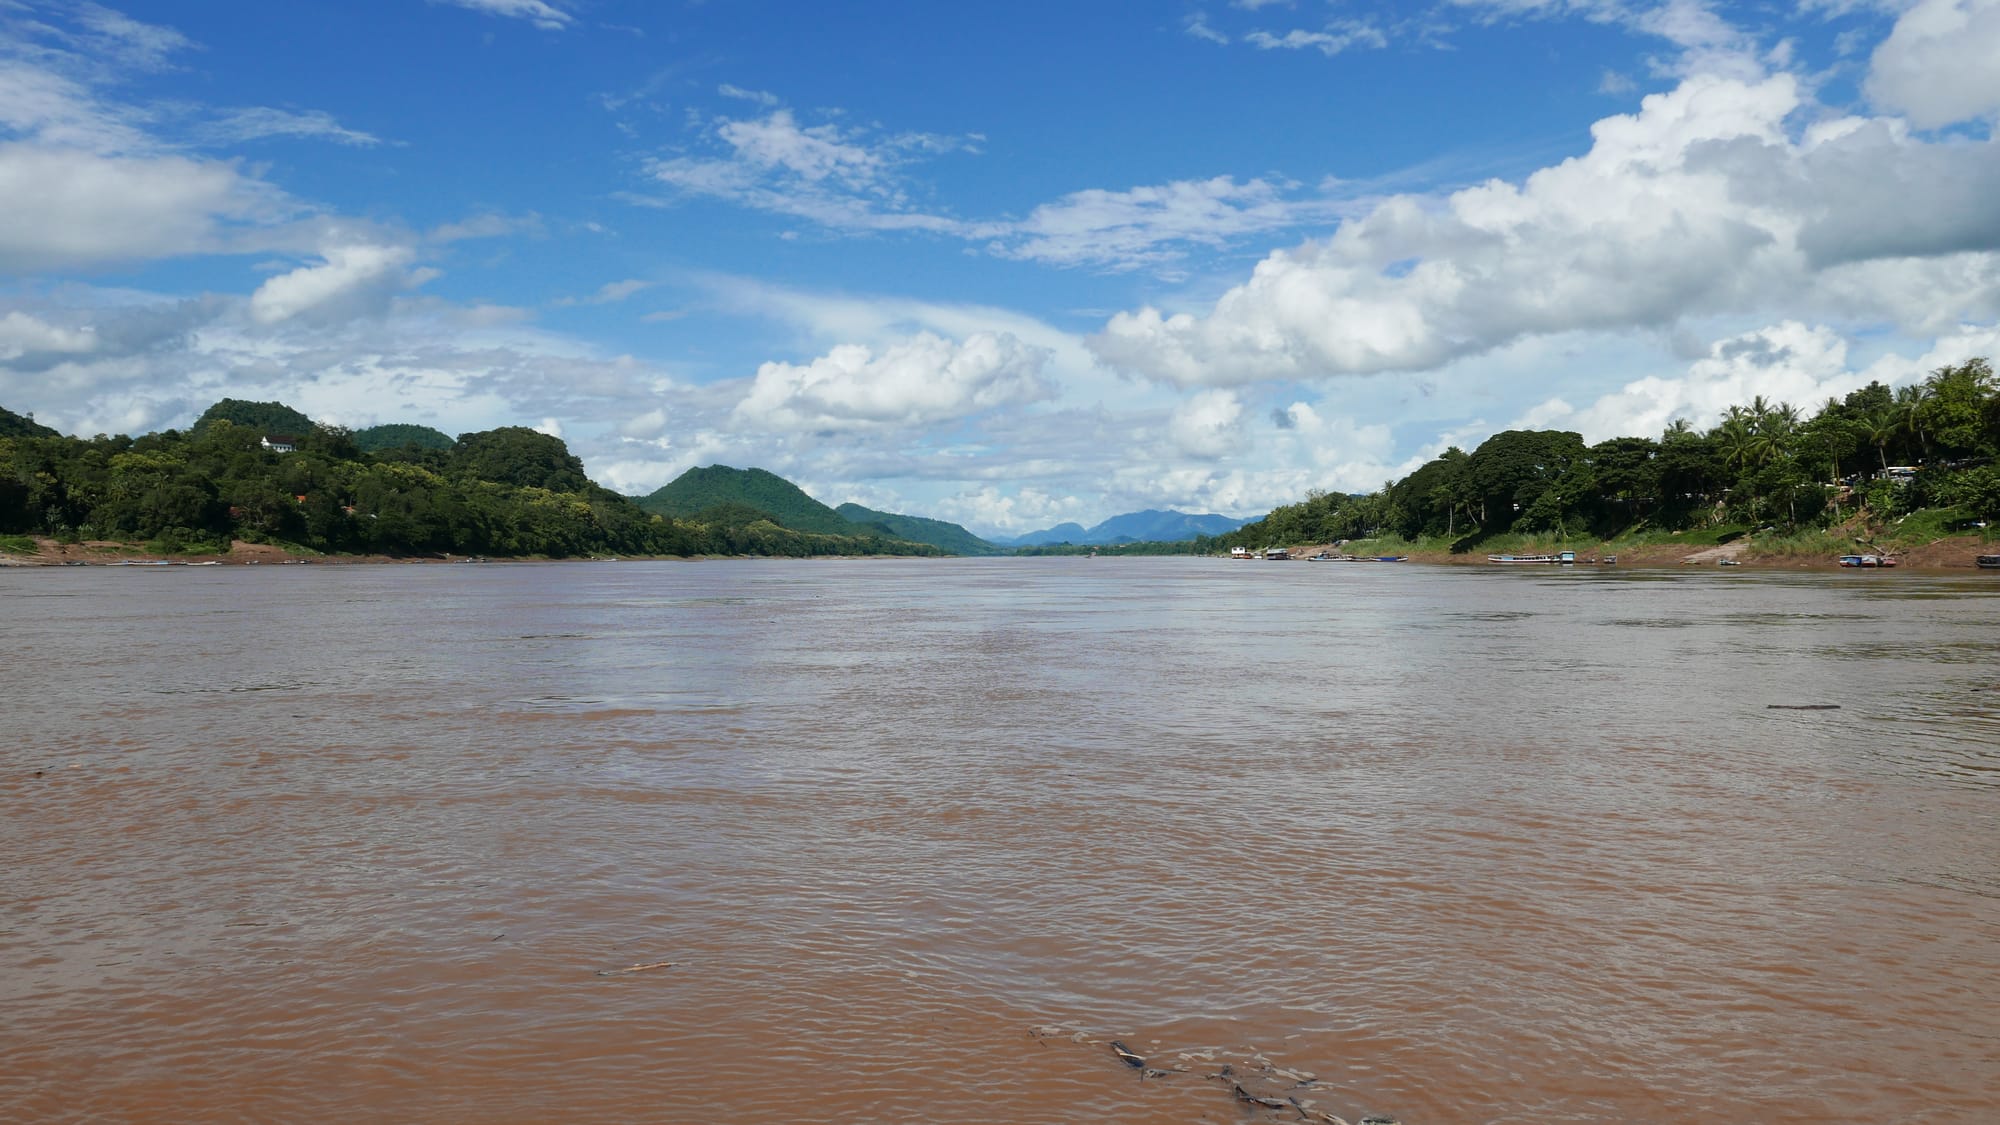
(1987, 562)
(1868, 562)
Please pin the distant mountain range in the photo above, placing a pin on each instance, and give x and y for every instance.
(1149, 526)
(719, 494)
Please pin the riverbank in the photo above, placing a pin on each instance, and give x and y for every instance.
(1951, 553)
(107, 552)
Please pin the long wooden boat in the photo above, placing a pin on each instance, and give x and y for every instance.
(1562, 558)
(1987, 562)
(1868, 562)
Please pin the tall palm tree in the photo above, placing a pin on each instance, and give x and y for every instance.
(1737, 439)
(1910, 402)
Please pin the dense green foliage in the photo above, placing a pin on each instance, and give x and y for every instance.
(946, 536)
(510, 491)
(1764, 464)
(266, 418)
(20, 425)
(699, 490)
(374, 439)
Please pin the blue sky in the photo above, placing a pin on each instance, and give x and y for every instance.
(1006, 264)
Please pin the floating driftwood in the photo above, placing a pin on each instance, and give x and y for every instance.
(634, 968)
(1258, 1082)
(1802, 707)
(1125, 1055)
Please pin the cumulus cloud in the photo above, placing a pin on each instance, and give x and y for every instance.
(23, 335)
(1206, 425)
(1700, 203)
(1789, 362)
(923, 380)
(349, 281)
(82, 182)
(67, 208)
(1941, 63)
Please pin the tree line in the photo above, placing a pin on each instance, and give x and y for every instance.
(1764, 463)
(504, 492)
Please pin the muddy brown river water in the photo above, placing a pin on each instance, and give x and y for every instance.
(355, 843)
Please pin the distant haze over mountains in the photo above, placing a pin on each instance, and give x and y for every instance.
(721, 493)
(1149, 526)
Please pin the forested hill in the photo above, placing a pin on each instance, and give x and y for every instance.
(395, 434)
(19, 425)
(269, 419)
(721, 488)
(509, 491)
(918, 529)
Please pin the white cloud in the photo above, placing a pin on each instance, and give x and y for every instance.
(850, 180)
(923, 380)
(1011, 512)
(1790, 362)
(1941, 63)
(1700, 203)
(843, 178)
(1336, 37)
(257, 122)
(22, 335)
(66, 208)
(82, 183)
(610, 293)
(542, 14)
(1143, 226)
(350, 280)
(761, 97)
(1197, 25)
(644, 427)
(1207, 424)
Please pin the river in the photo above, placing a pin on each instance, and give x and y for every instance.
(1464, 845)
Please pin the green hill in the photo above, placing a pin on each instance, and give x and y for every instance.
(396, 435)
(22, 425)
(719, 486)
(918, 529)
(507, 492)
(260, 417)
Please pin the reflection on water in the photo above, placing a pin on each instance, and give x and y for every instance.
(1465, 845)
